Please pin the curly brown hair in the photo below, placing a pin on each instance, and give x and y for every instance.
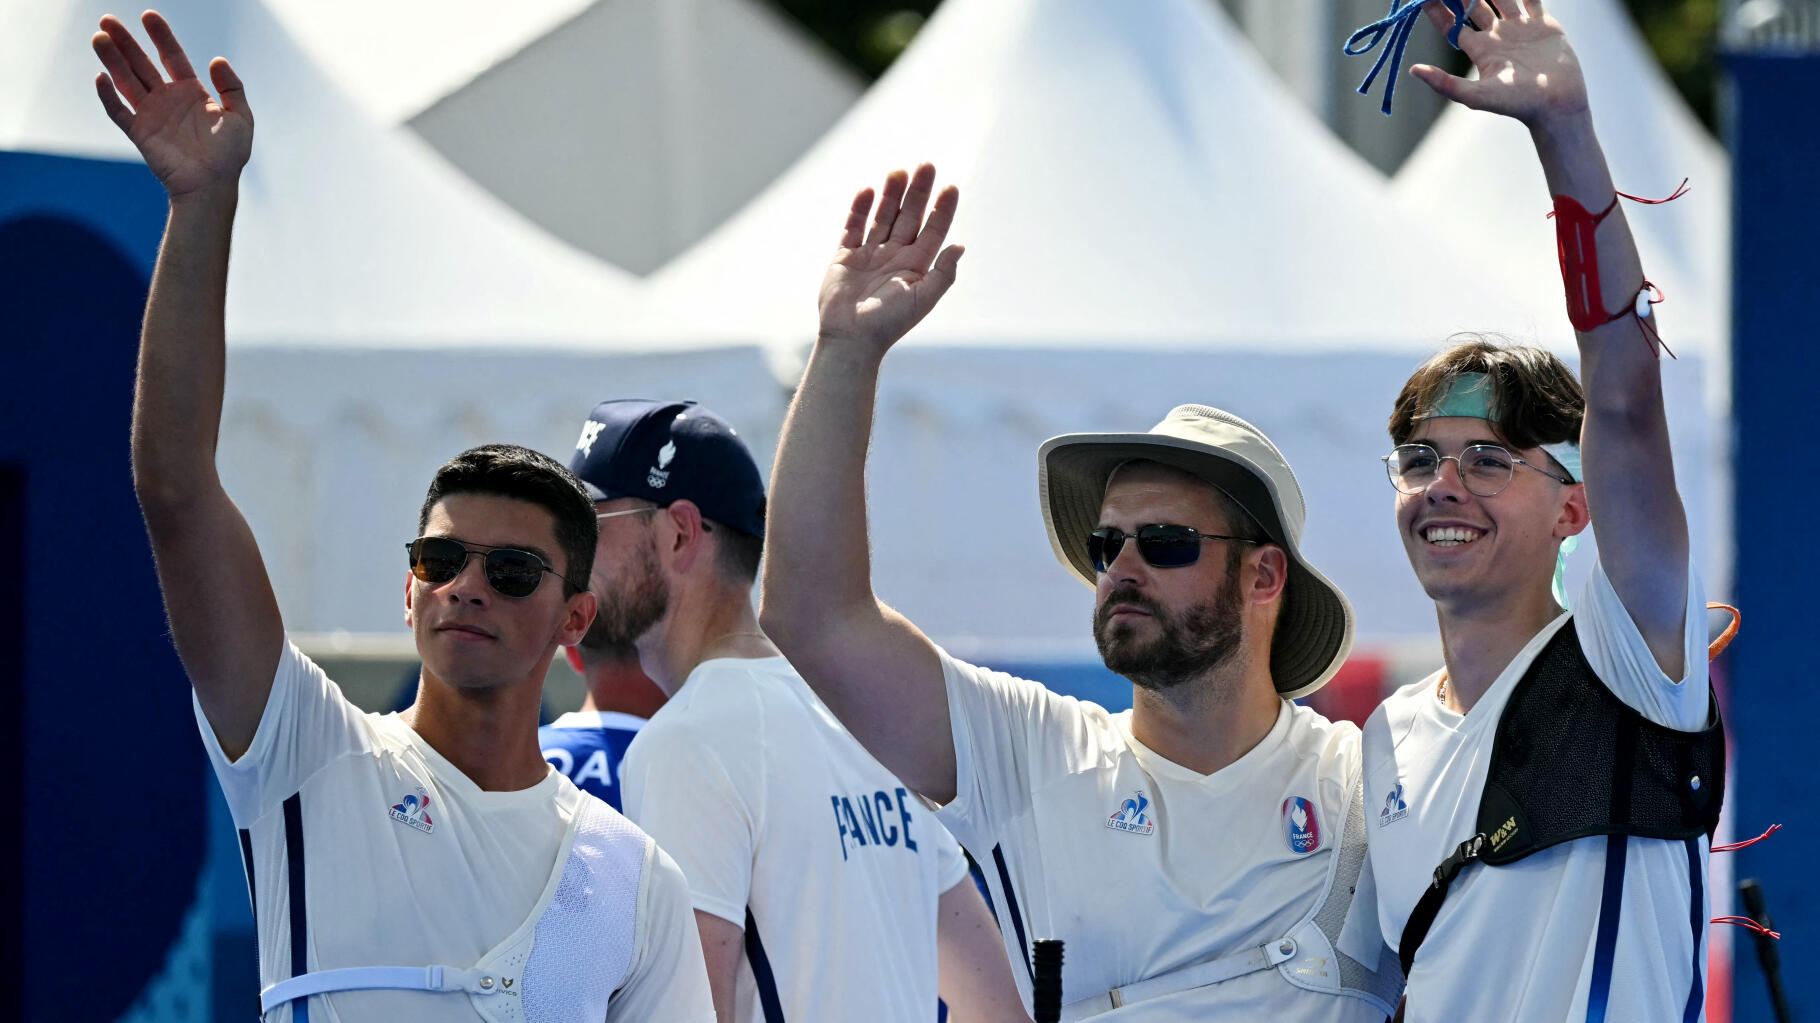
(1536, 399)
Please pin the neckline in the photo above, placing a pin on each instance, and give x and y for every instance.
(1498, 692)
(1226, 777)
(452, 777)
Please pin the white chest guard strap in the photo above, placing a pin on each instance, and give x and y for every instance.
(493, 985)
(1321, 953)
(1213, 971)
(369, 978)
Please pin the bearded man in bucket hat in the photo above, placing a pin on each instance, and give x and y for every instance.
(1200, 853)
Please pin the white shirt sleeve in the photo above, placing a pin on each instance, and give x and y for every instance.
(1623, 661)
(306, 724)
(680, 792)
(950, 862)
(668, 982)
(1007, 731)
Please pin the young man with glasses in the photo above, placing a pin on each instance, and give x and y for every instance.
(820, 885)
(423, 866)
(1541, 805)
(1199, 853)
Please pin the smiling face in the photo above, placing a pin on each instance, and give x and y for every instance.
(1162, 627)
(468, 634)
(1471, 552)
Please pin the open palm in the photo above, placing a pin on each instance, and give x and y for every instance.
(1526, 68)
(188, 139)
(883, 282)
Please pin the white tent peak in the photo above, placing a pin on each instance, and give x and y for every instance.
(1130, 174)
(400, 56)
(348, 233)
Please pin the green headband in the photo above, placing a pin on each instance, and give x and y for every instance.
(1471, 395)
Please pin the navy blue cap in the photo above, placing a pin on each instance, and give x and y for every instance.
(664, 451)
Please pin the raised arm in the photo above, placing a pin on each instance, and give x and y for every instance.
(1528, 71)
(874, 669)
(223, 615)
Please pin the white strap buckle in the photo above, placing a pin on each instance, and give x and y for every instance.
(370, 978)
(1202, 974)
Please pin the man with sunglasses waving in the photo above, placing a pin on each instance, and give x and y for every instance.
(1541, 805)
(423, 866)
(822, 889)
(1199, 853)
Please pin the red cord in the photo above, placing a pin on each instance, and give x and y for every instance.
(1748, 924)
(1574, 246)
(1735, 846)
(1680, 190)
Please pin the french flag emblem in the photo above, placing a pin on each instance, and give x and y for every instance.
(1301, 829)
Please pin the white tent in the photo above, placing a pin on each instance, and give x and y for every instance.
(346, 230)
(1129, 173)
(703, 104)
(693, 105)
(1150, 220)
(398, 57)
(1475, 175)
(383, 312)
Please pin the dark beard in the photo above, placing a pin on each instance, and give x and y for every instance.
(1200, 639)
(628, 612)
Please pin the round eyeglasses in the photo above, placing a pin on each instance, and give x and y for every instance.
(1485, 469)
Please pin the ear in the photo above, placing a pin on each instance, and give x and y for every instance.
(579, 615)
(408, 622)
(688, 541)
(1575, 515)
(1270, 573)
(573, 655)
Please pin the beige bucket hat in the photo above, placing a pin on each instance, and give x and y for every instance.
(1314, 629)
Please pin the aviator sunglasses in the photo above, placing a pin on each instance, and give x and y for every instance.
(1160, 546)
(510, 571)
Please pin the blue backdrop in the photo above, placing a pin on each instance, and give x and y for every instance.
(107, 843)
(1775, 153)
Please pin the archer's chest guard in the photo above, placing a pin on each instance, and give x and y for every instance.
(1570, 760)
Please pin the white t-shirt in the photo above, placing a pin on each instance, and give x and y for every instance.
(408, 863)
(1143, 866)
(785, 825)
(1519, 942)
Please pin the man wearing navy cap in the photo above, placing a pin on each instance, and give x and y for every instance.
(818, 880)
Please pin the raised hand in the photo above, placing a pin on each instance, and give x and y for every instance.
(1526, 68)
(188, 139)
(883, 282)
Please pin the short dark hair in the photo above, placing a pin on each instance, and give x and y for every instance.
(507, 470)
(739, 553)
(1536, 399)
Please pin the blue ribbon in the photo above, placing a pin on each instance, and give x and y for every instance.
(1397, 25)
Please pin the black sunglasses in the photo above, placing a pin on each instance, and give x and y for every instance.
(1159, 546)
(509, 570)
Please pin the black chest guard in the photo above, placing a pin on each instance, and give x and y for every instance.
(1570, 760)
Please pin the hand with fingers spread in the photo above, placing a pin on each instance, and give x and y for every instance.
(884, 281)
(1526, 68)
(191, 141)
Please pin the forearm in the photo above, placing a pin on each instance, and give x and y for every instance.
(1627, 463)
(177, 403)
(816, 550)
(975, 977)
(1574, 165)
